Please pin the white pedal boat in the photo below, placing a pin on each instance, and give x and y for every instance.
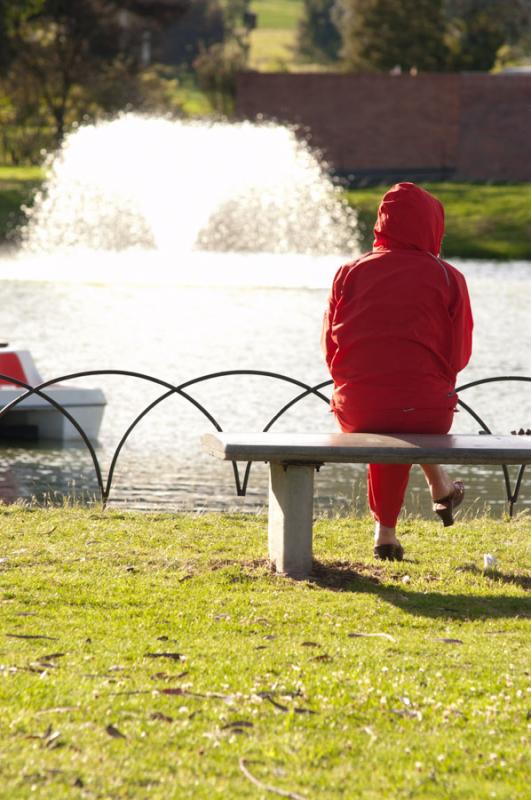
(35, 418)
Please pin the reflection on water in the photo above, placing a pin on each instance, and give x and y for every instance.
(176, 332)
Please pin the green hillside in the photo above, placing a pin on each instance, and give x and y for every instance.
(274, 39)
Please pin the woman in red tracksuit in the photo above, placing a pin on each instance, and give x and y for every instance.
(397, 330)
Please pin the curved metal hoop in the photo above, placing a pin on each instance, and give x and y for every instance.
(30, 390)
(180, 390)
(511, 493)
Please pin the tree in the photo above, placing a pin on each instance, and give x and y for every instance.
(318, 37)
(62, 51)
(379, 35)
(216, 66)
(200, 27)
(479, 28)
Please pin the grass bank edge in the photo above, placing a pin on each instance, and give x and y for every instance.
(483, 221)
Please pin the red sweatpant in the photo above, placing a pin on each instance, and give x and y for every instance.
(387, 483)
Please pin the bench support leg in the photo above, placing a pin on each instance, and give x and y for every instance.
(290, 518)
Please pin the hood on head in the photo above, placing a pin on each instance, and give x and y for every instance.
(409, 218)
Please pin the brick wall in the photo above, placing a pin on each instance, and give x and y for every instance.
(470, 126)
(495, 128)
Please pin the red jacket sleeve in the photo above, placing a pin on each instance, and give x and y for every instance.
(461, 314)
(328, 344)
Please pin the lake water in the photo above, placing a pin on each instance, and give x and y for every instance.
(182, 317)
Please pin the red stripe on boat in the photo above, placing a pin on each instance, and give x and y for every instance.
(10, 365)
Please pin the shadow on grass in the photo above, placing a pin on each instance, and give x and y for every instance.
(524, 581)
(342, 576)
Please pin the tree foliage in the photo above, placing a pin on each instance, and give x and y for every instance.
(430, 35)
(379, 35)
(318, 37)
(479, 28)
(202, 25)
(60, 58)
(216, 66)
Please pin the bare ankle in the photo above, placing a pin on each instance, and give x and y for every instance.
(384, 535)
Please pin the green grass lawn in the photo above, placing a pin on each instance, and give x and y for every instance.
(482, 221)
(278, 13)
(155, 655)
(273, 42)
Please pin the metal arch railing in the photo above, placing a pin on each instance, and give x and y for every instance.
(171, 389)
(105, 487)
(512, 493)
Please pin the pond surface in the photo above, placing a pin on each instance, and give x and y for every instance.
(177, 320)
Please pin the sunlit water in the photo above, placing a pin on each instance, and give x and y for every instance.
(122, 267)
(177, 332)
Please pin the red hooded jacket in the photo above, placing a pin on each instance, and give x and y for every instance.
(398, 327)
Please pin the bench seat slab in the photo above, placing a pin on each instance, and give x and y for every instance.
(367, 448)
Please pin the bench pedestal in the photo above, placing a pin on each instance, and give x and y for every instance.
(290, 518)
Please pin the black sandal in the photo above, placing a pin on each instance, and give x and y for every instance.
(444, 508)
(389, 552)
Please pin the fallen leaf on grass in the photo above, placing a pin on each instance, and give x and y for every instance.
(325, 658)
(166, 676)
(49, 738)
(174, 656)
(158, 715)
(52, 741)
(234, 729)
(285, 709)
(114, 732)
(372, 636)
(310, 644)
(265, 786)
(406, 712)
(274, 703)
(239, 723)
(271, 693)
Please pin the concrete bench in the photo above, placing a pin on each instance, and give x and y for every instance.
(293, 458)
